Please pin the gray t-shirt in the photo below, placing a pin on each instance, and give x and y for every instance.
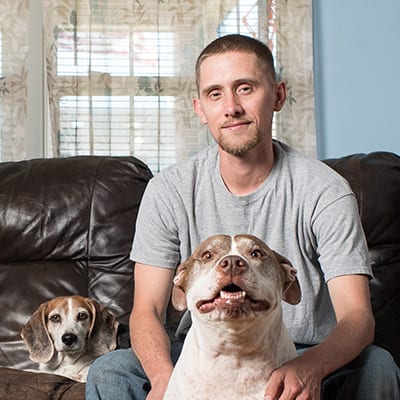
(304, 211)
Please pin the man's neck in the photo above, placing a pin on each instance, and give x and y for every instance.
(244, 174)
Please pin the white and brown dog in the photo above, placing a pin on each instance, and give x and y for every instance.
(66, 334)
(233, 287)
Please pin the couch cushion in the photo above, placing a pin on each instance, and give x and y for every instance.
(375, 179)
(17, 385)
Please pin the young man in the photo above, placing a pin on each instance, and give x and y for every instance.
(248, 183)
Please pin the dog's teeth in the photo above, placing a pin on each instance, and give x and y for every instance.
(232, 296)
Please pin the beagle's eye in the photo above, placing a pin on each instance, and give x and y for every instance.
(82, 316)
(256, 253)
(207, 255)
(55, 318)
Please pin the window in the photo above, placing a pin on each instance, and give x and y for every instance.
(137, 100)
(72, 71)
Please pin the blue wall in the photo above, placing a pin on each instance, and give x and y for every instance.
(357, 76)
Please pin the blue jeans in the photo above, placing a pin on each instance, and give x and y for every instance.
(371, 376)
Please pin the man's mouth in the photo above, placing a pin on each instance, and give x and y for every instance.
(232, 297)
(235, 124)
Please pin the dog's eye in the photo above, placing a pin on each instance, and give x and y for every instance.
(82, 316)
(55, 318)
(256, 253)
(207, 255)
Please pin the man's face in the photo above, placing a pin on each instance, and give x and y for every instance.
(237, 98)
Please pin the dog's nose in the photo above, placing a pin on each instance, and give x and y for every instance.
(69, 339)
(232, 265)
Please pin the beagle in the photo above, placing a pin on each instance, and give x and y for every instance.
(66, 334)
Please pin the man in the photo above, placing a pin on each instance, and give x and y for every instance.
(248, 183)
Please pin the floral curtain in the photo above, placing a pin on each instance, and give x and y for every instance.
(119, 75)
(294, 54)
(14, 18)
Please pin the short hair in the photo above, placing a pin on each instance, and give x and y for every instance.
(237, 42)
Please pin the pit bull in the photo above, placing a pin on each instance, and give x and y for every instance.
(233, 287)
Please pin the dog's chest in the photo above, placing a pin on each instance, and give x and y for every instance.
(219, 379)
(75, 368)
(236, 372)
(219, 386)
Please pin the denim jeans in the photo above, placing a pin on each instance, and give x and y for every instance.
(373, 375)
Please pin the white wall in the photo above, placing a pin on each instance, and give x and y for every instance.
(357, 76)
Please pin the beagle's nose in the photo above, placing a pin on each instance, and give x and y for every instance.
(69, 339)
(232, 265)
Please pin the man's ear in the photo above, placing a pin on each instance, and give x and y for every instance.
(280, 95)
(199, 110)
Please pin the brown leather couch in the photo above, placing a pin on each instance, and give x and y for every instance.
(66, 227)
(375, 180)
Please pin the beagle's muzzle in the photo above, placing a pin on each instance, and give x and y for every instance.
(233, 287)
(66, 334)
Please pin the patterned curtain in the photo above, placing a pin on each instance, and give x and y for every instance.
(294, 54)
(119, 75)
(14, 16)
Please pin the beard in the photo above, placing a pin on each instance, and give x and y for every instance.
(237, 145)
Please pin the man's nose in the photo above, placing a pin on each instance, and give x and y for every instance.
(233, 107)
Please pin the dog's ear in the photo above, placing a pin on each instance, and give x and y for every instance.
(36, 336)
(291, 291)
(178, 291)
(103, 330)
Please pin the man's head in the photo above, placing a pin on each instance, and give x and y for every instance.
(238, 94)
(242, 43)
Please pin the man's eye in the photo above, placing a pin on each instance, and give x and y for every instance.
(55, 318)
(244, 89)
(214, 95)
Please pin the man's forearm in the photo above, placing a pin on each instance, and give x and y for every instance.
(347, 340)
(152, 346)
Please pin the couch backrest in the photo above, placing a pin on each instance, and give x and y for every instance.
(66, 227)
(375, 180)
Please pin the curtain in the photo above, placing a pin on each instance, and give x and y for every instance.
(119, 75)
(294, 54)
(14, 18)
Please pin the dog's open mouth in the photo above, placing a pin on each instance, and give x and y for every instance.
(232, 297)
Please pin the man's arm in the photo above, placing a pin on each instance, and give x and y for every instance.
(301, 378)
(148, 336)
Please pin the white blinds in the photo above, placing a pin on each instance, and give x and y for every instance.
(122, 75)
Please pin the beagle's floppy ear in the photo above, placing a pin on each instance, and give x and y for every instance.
(291, 291)
(37, 338)
(103, 330)
(178, 291)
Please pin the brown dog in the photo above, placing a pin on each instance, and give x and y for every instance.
(233, 287)
(67, 333)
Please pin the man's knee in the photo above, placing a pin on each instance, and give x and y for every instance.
(372, 375)
(377, 359)
(105, 365)
(117, 375)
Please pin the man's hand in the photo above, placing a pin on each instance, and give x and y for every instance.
(301, 377)
(294, 380)
(156, 393)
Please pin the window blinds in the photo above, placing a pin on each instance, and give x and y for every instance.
(124, 79)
